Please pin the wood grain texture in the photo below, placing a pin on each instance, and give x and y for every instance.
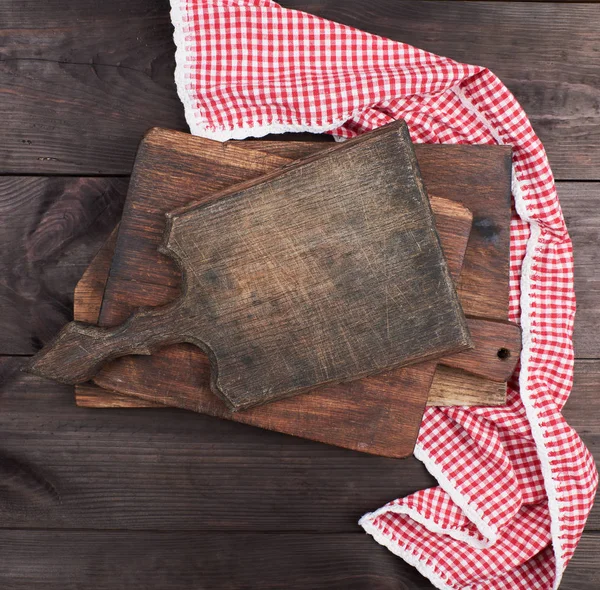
(371, 415)
(87, 298)
(149, 470)
(449, 387)
(118, 560)
(72, 462)
(71, 103)
(50, 229)
(582, 412)
(34, 313)
(496, 348)
(454, 387)
(81, 83)
(167, 469)
(476, 176)
(326, 271)
(172, 378)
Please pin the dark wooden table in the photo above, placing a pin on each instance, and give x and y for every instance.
(161, 499)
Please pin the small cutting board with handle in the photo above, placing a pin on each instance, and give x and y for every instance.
(326, 271)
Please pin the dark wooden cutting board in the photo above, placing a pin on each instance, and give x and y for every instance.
(325, 271)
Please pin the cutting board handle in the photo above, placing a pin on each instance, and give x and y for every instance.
(496, 351)
(79, 350)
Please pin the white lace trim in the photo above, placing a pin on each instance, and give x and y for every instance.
(528, 336)
(178, 19)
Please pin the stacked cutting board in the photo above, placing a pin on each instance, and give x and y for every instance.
(350, 404)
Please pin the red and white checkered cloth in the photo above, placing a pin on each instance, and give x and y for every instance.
(515, 483)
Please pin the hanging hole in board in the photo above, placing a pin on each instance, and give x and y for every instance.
(503, 353)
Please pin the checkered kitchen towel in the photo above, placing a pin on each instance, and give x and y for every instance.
(515, 483)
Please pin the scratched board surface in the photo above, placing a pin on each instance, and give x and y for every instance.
(376, 415)
(327, 270)
(340, 414)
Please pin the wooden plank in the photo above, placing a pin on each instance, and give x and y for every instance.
(582, 412)
(90, 289)
(65, 466)
(583, 571)
(97, 78)
(64, 220)
(50, 229)
(81, 83)
(164, 469)
(453, 387)
(449, 387)
(119, 560)
(140, 276)
(476, 176)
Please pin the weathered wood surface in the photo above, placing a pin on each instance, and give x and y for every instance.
(450, 387)
(50, 228)
(81, 452)
(87, 297)
(82, 80)
(140, 276)
(325, 271)
(455, 387)
(580, 204)
(477, 177)
(64, 468)
(168, 469)
(119, 560)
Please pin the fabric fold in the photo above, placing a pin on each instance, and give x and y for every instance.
(515, 483)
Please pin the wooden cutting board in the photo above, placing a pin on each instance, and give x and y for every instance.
(141, 371)
(479, 175)
(325, 271)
